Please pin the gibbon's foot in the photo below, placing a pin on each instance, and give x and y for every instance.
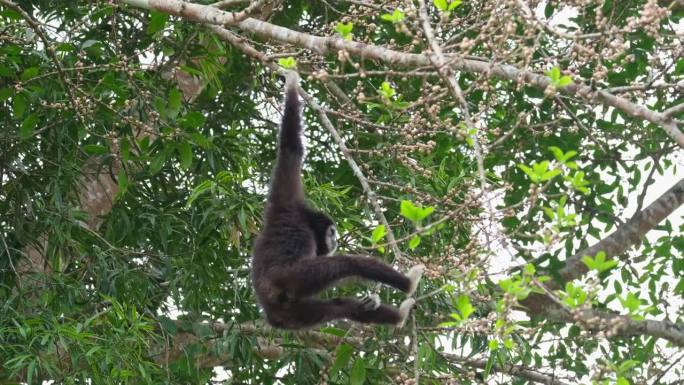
(414, 275)
(405, 310)
(370, 302)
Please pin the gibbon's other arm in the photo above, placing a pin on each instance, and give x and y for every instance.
(286, 185)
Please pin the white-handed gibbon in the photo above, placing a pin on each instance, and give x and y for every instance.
(292, 261)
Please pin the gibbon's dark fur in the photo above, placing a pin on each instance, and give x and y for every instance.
(290, 262)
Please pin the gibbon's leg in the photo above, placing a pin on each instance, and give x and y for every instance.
(309, 276)
(310, 312)
(287, 185)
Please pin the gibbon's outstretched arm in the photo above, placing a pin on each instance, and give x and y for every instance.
(286, 186)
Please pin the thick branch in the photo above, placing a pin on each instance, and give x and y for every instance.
(628, 234)
(615, 244)
(613, 324)
(327, 45)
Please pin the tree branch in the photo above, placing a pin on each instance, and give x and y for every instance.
(327, 45)
(613, 324)
(629, 233)
(513, 370)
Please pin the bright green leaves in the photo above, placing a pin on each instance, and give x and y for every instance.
(564, 157)
(386, 91)
(634, 306)
(446, 6)
(287, 62)
(414, 242)
(623, 371)
(378, 234)
(574, 296)
(631, 302)
(561, 218)
(463, 310)
(345, 30)
(395, 17)
(557, 80)
(414, 213)
(599, 262)
(390, 98)
(520, 286)
(578, 182)
(539, 172)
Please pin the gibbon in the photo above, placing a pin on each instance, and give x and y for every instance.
(292, 258)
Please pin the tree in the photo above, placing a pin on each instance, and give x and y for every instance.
(510, 146)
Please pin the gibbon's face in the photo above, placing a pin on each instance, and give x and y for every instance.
(331, 239)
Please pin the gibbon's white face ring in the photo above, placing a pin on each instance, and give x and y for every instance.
(331, 239)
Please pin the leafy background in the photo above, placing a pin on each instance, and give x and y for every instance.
(137, 148)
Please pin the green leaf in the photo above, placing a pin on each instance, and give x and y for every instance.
(95, 149)
(31, 371)
(29, 73)
(125, 150)
(454, 4)
(6, 93)
(123, 182)
(28, 126)
(174, 103)
(395, 17)
(158, 162)
(358, 372)
(493, 344)
(334, 331)
(415, 214)
(464, 307)
(534, 178)
(199, 190)
(386, 91)
(414, 242)
(378, 234)
(157, 22)
(631, 302)
(441, 5)
(185, 152)
(19, 105)
(344, 353)
(554, 73)
(191, 120)
(564, 81)
(287, 62)
(345, 29)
